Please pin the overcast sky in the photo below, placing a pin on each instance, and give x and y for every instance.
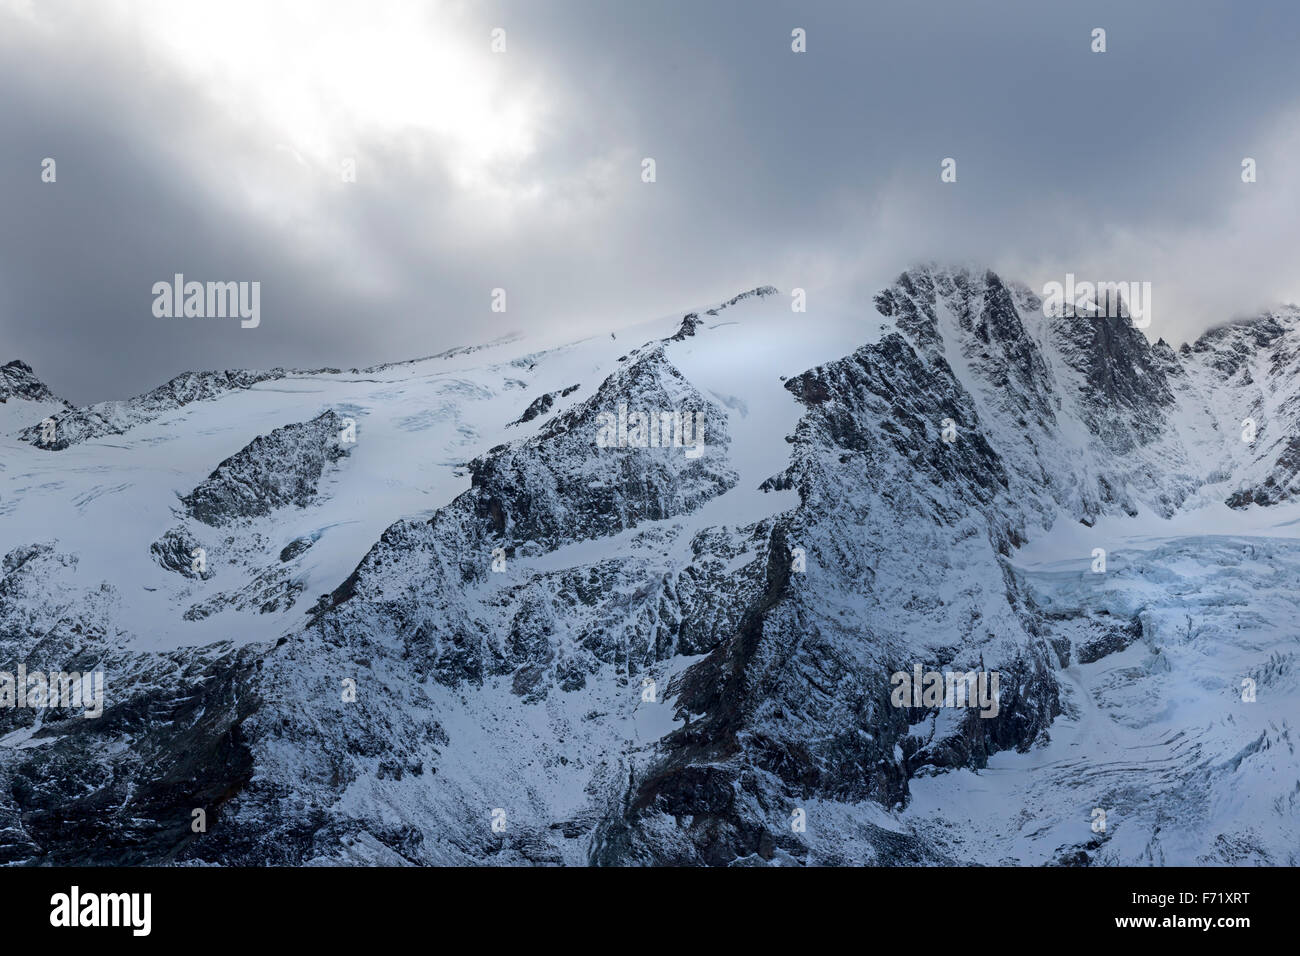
(208, 139)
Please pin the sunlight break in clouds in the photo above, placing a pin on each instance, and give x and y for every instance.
(323, 77)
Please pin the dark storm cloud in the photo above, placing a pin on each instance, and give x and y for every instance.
(818, 169)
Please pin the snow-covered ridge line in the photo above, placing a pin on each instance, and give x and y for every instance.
(17, 380)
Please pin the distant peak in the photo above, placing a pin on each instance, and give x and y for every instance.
(18, 380)
(691, 320)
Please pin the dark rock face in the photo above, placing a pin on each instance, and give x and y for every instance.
(1249, 368)
(296, 547)
(1124, 383)
(176, 551)
(1282, 483)
(542, 404)
(191, 755)
(584, 491)
(17, 380)
(747, 753)
(1228, 349)
(272, 471)
(1038, 381)
(270, 590)
(118, 788)
(890, 385)
(555, 488)
(995, 342)
(1111, 635)
(1256, 360)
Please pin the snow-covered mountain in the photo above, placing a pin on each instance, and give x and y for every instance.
(638, 599)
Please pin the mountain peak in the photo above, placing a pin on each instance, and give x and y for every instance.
(17, 380)
(691, 320)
